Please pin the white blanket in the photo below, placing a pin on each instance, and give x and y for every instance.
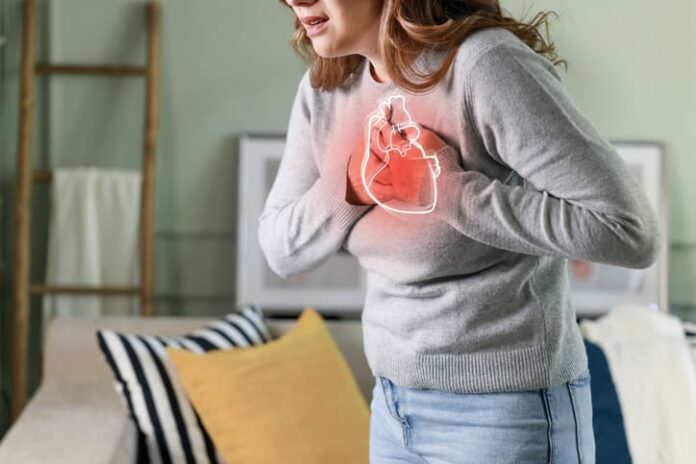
(653, 370)
(93, 239)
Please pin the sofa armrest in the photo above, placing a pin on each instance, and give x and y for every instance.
(56, 427)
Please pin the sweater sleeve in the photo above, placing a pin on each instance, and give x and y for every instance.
(582, 201)
(305, 217)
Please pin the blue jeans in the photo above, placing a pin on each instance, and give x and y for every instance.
(547, 425)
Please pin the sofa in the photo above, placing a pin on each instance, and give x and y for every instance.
(76, 415)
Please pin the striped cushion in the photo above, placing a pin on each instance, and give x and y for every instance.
(168, 426)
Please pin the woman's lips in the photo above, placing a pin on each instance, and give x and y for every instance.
(314, 29)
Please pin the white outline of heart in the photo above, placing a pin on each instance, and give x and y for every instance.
(383, 106)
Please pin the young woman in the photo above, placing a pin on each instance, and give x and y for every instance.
(468, 323)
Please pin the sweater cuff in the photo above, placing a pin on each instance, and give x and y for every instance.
(459, 193)
(332, 192)
(450, 186)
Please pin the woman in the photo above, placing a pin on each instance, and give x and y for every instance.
(468, 325)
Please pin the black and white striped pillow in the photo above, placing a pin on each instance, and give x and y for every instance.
(168, 426)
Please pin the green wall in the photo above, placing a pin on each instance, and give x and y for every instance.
(632, 69)
(227, 67)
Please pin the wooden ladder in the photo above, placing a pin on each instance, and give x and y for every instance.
(22, 289)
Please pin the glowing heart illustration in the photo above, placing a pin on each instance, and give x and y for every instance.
(393, 136)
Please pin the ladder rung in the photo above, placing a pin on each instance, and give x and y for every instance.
(43, 288)
(106, 69)
(44, 176)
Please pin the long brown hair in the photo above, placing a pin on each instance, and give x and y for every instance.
(408, 26)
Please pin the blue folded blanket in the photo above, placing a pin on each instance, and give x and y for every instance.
(610, 435)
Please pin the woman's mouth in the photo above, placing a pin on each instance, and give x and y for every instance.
(314, 24)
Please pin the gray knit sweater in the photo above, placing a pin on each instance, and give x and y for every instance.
(474, 296)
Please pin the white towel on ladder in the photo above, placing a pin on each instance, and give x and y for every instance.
(93, 240)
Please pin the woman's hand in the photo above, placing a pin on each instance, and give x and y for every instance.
(380, 187)
(412, 163)
(402, 163)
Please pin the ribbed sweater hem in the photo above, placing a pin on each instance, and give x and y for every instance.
(496, 371)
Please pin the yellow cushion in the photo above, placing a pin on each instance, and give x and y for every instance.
(291, 400)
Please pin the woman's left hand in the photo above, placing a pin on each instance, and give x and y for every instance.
(411, 160)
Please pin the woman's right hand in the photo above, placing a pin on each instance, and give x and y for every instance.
(381, 186)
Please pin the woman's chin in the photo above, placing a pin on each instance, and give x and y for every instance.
(324, 49)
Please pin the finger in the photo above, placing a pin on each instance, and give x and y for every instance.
(379, 155)
(382, 177)
(382, 192)
(379, 133)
